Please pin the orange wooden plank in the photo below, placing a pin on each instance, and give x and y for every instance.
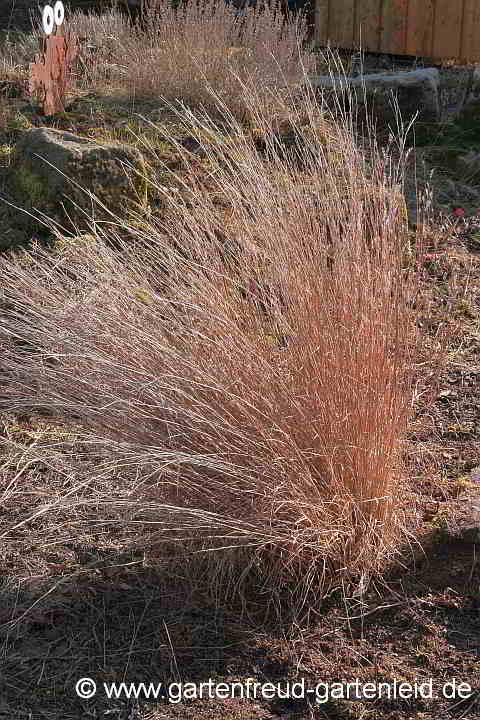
(470, 45)
(420, 27)
(447, 29)
(394, 26)
(340, 23)
(367, 25)
(429, 28)
(321, 21)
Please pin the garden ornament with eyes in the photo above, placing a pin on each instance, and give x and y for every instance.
(49, 72)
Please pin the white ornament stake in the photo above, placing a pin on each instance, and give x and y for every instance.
(58, 13)
(48, 20)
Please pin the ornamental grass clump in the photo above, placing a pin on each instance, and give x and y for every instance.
(246, 351)
(179, 52)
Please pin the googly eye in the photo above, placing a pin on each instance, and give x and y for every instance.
(48, 20)
(58, 12)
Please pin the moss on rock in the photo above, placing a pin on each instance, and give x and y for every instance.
(56, 173)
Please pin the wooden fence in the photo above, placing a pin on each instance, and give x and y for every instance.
(425, 28)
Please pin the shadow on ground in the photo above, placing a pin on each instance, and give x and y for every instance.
(118, 620)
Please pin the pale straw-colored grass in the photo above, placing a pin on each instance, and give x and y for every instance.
(181, 52)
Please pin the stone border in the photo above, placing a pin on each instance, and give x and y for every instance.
(439, 95)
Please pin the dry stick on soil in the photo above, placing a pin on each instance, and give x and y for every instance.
(258, 378)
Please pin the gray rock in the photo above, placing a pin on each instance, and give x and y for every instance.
(469, 164)
(469, 115)
(474, 94)
(44, 163)
(455, 90)
(417, 93)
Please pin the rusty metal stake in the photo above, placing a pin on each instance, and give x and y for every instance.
(49, 72)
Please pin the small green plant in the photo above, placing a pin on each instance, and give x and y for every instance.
(19, 122)
(5, 152)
